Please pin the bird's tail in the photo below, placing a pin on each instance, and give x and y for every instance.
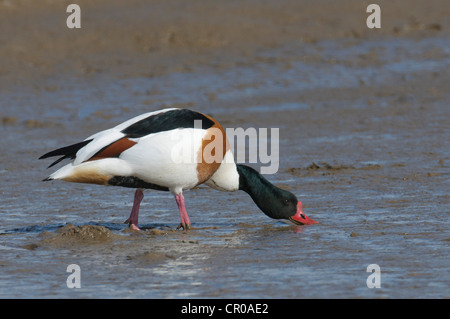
(66, 152)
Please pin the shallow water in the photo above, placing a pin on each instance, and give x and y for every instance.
(363, 143)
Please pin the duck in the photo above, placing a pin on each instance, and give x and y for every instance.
(171, 150)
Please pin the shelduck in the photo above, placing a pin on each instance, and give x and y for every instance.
(166, 150)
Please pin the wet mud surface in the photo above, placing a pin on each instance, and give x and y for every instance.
(364, 130)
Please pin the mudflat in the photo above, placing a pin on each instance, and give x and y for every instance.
(363, 122)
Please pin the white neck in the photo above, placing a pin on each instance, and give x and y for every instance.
(226, 178)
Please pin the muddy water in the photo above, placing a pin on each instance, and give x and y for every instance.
(364, 144)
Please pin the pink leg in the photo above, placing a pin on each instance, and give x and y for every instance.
(133, 219)
(185, 223)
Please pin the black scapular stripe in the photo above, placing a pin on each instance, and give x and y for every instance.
(134, 182)
(166, 121)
